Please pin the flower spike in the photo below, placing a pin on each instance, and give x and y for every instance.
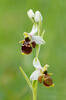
(34, 39)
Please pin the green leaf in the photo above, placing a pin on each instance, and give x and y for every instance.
(26, 78)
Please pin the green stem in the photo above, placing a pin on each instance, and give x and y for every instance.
(34, 85)
(39, 33)
(34, 94)
(39, 27)
(37, 50)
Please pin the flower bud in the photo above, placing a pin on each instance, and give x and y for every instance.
(30, 14)
(38, 16)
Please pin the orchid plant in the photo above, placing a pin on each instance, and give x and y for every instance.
(34, 39)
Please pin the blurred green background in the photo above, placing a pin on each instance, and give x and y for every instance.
(13, 22)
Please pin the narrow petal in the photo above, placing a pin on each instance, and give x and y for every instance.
(26, 34)
(37, 64)
(38, 39)
(35, 75)
(45, 68)
(34, 30)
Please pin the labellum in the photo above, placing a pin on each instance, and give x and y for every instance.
(27, 46)
(47, 81)
(26, 49)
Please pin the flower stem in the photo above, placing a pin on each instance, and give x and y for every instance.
(37, 50)
(34, 94)
(34, 85)
(26, 78)
(35, 82)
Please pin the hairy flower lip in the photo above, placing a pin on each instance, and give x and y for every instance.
(27, 46)
(26, 49)
(47, 81)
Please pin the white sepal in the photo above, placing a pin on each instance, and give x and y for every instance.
(37, 16)
(35, 75)
(34, 30)
(38, 40)
(30, 13)
(37, 64)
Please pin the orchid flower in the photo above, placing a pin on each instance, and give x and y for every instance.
(41, 73)
(30, 42)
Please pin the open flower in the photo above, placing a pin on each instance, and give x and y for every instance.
(27, 45)
(30, 42)
(41, 73)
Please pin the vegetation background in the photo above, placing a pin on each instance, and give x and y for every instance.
(13, 22)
